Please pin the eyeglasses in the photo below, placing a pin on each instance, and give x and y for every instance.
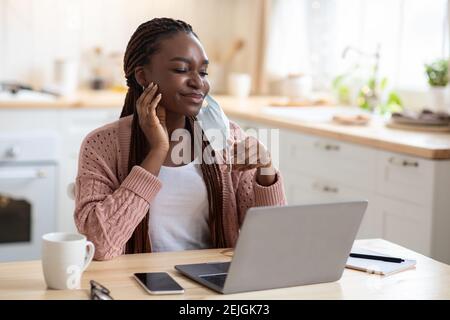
(99, 292)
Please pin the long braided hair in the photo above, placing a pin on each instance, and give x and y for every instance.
(143, 43)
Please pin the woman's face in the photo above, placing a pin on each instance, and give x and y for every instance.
(179, 69)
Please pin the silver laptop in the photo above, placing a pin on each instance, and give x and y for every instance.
(284, 247)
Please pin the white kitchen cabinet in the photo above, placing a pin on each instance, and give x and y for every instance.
(72, 125)
(406, 223)
(405, 178)
(415, 202)
(304, 189)
(329, 159)
(75, 125)
(409, 197)
(319, 170)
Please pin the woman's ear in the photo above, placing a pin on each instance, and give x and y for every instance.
(139, 74)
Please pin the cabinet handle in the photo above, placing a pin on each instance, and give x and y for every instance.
(403, 163)
(12, 152)
(327, 146)
(23, 174)
(326, 188)
(330, 189)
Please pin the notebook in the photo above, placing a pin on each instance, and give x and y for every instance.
(376, 266)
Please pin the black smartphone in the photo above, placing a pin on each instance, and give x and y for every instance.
(158, 283)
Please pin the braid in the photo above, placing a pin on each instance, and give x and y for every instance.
(213, 181)
(143, 44)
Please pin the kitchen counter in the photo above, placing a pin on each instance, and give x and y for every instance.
(83, 99)
(421, 144)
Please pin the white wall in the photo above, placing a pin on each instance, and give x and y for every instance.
(33, 33)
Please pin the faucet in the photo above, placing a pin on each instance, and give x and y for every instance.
(360, 52)
(368, 91)
(376, 55)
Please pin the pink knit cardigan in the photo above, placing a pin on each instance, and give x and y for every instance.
(110, 203)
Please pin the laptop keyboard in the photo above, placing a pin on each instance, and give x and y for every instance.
(217, 267)
(217, 279)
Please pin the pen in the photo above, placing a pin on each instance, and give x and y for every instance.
(368, 256)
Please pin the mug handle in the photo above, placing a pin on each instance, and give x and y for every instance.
(90, 254)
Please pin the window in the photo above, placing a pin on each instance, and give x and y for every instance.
(310, 36)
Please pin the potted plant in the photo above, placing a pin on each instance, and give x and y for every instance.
(371, 95)
(370, 92)
(437, 73)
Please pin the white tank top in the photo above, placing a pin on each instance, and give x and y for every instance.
(179, 212)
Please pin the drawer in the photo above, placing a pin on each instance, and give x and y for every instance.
(20, 119)
(405, 178)
(302, 189)
(88, 120)
(406, 224)
(315, 156)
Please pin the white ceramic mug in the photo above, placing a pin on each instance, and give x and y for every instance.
(66, 76)
(298, 87)
(64, 258)
(239, 84)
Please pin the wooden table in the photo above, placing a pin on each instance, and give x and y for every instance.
(429, 280)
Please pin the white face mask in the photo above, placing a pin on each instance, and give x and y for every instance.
(215, 124)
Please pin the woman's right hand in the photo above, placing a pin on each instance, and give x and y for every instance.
(152, 119)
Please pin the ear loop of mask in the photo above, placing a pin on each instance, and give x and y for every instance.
(229, 151)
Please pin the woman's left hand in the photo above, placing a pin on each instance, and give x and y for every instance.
(250, 154)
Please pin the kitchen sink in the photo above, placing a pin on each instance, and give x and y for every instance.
(26, 95)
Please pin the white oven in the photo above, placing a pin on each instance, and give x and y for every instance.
(28, 179)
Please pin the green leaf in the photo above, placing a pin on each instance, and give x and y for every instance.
(383, 83)
(437, 72)
(371, 83)
(338, 80)
(393, 104)
(393, 98)
(344, 94)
